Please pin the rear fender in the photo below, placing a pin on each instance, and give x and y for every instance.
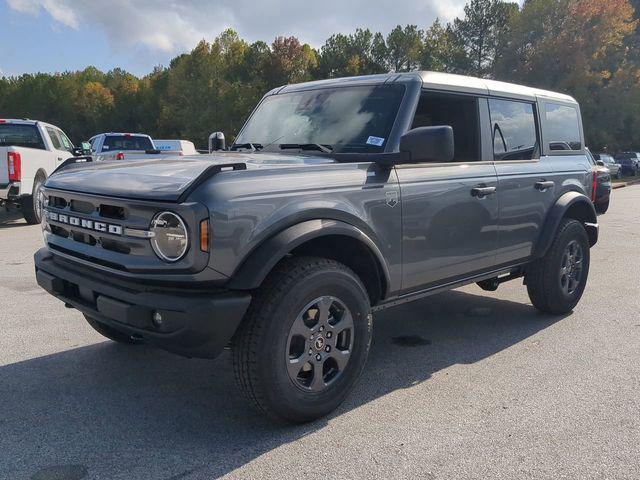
(570, 205)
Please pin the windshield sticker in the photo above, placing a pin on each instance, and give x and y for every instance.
(377, 141)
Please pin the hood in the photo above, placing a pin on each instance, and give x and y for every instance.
(162, 179)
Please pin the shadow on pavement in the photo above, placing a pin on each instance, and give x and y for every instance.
(118, 411)
(11, 219)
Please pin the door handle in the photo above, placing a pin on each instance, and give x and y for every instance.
(543, 185)
(481, 191)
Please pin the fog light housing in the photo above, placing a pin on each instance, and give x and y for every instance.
(171, 239)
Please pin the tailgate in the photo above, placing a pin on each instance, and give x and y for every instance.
(4, 171)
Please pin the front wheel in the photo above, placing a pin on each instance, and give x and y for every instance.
(304, 341)
(556, 282)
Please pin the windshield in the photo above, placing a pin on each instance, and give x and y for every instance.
(127, 142)
(20, 135)
(346, 119)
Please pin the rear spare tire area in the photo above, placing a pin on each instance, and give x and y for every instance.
(305, 339)
(556, 282)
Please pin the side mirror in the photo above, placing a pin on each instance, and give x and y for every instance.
(429, 144)
(217, 142)
(83, 149)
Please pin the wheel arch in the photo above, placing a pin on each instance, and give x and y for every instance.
(574, 205)
(333, 239)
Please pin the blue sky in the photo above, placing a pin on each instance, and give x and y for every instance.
(59, 35)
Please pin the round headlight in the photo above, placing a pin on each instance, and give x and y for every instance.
(170, 238)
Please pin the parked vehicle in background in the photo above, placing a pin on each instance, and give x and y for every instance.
(606, 160)
(338, 198)
(121, 146)
(601, 194)
(179, 147)
(629, 163)
(29, 152)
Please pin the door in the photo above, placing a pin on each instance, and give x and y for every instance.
(449, 210)
(60, 153)
(526, 182)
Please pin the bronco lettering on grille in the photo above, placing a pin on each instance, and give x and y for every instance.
(83, 223)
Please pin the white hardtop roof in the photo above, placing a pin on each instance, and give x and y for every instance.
(448, 81)
(439, 81)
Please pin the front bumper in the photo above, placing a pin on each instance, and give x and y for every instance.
(194, 323)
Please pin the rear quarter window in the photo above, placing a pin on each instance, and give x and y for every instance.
(562, 127)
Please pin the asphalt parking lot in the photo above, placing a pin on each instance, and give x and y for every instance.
(461, 385)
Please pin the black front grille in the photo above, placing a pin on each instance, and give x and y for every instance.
(78, 214)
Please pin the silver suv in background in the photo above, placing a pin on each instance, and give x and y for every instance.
(606, 160)
(121, 146)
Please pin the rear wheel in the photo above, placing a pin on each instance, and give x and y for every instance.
(556, 282)
(304, 341)
(112, 334)
(31, 206)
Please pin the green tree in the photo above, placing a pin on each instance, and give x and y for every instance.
(481, 31)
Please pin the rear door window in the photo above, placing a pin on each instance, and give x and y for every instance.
(55, 139)
(562, 127)
(515, 134)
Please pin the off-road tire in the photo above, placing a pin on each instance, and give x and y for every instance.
(111, 334)
(29, 204)
(260, 346)
(542, 277)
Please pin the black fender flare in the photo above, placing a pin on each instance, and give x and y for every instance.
(261, 260)
(574, 202)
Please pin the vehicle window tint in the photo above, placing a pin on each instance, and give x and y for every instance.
(20, 135)
(55, 140)
(348, 119)
(562, 127)
(514, 130)
(66, 143)
(460, 113)
(127, 142)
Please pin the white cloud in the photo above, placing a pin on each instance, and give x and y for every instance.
(172, 26)
(58, 10)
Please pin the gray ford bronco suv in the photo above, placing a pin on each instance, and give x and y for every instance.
(338, 198)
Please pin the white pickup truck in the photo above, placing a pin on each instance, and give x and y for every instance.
(29, 152)
(121, 146)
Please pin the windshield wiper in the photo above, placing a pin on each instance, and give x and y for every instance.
(251, 146)
(307, 146)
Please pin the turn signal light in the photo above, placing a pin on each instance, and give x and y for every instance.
(204, 236)
(14, 165)
(594, 187)
(119, 156)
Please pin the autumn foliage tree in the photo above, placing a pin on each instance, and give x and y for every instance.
(587, 48)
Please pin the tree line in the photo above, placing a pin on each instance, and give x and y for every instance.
(586, 48)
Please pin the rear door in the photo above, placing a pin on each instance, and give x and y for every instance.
(449, 229)
(59, 152)
(526, 182)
